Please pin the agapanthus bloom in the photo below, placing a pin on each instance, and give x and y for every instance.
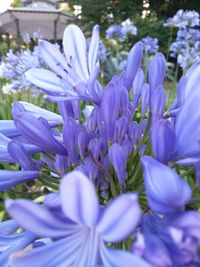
(150, 44)
(182, 19)
(79, 227)
(186, 47)
(16, 64)
(73, 74)
(89, 160)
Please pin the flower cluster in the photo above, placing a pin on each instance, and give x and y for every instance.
(150, 45)
(186, 47)
(121, 31)
(16, 64)
(100, 209)
(183, 19)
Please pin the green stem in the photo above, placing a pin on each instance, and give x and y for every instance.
(169, 42)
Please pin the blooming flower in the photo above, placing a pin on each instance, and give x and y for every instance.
(150, 44)
(80, 228)
(72, 74)
(182, 19)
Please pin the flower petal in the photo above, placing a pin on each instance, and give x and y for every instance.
(133, 63)
(45, 79)
(40, 112)
(61, 253)
(166, 191)
(120, 218)
(156, 71)
(94, 48)
(8, 128)
(74, 45)
(79, 200)
(38, 219)
(38, 133)
(10, 178)
(119, 258)
(52, 57)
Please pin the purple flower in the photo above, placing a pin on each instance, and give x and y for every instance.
(79, 230)
(186, 47)
(183, 19)
(115, 32)
(150, 44)
(70, 73)
(128, 27)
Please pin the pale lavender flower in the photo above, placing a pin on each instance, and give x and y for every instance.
(128, 27)
(73, 74)
(150, 44)
(115, 32)
(182, 19)
(79, 229)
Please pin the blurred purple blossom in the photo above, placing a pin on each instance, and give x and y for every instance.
(183, 19)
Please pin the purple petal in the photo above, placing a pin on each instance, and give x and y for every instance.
(57, 254)
(118, 157)
(4, 155)
(74, 45)
(52, 57)
(189, 221)
(36, 132)
(45, 79)
(14, 244)
(187, 126)
(110, 107)
(133, 63)
(156, 71)
(8, 128)
(40, 112)
(94, 48)
(119, 258)
(37, 219)
(157, 103)
(166, 191)
(120, 218)
(8, 227)
(19, 154)
(197, 172)
(137, 86)
(121, 129)
(79, 200)
(163, 140)
(144, 98)
(10, 178)
(71, 131)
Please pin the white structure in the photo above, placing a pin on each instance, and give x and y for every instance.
(36, 15)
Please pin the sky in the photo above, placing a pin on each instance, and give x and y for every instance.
(4, 4)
